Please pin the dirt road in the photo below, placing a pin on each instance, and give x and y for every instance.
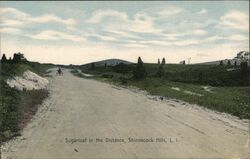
(81, 109)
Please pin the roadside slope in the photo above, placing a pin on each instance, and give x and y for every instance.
(79, 108)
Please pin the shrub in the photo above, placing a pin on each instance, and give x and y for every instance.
(139, 72)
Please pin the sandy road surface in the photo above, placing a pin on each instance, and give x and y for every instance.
(81, 108)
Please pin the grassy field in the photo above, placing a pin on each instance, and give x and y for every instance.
(17, 107)
(217, 89)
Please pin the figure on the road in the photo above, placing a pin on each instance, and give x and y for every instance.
(59, 72)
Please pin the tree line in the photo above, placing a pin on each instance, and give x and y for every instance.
(17, 58)
(140, 71)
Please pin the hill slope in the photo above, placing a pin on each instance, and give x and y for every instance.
(108, 62)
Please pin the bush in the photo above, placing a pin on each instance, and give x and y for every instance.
(17, 108)
(10, 112)
(139, 72)
(160, 72)
(123, 80)
(122, 68)
(107, 75)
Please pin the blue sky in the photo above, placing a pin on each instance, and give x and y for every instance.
(80, 32)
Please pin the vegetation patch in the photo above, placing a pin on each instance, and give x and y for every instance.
(17, 107)
(211, 86)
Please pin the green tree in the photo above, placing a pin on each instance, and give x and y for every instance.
(139, 72)
(229, 63)
(235, 63)
(4, 59)
(221, 63)
(121, 68)
(163, 62)
(159, 61)
(200, 77)
(18, 57)
(160, 72)
(244, 72)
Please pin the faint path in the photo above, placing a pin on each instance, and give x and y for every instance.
(81, 108)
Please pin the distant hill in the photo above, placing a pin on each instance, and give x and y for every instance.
(108, 62)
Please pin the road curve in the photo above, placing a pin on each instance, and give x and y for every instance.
(84, 118)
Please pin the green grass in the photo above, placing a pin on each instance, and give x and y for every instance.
(233, 100)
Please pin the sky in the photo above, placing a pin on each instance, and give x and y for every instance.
(82, 31)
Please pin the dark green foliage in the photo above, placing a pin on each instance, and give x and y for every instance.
(122, 68)
(213, 75)
(163, 62)
(4, 59)
(244, 73)
(200, 77)
(160, 71)
(16, 108)
(229, 63)
(221, 63)
(124, 80)
(18, 57)
(92, 66)
(107, 75)
(9, 109)
(235, 63)
(139, 72)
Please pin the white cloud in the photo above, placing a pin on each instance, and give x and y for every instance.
(235, 20)
(157, 42)
(11, 23)
(167, 43)
(170, 11)
(175, 35)
(214, 38)
(142, 23)
(197, 32)
(55, 35)
(10, 30)
(13, 12)
(99, 15)
(235, 37)
(188, 42)
(202, 11)
(17, 18)
(102, 37)
(202, 55)
(47, 18)
(135, 45)
(121, 34)
(238, 38)
(120, 22)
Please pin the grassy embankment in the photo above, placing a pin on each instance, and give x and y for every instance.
(17, 107)
(230, 91)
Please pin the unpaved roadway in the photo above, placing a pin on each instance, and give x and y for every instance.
(81, 108)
